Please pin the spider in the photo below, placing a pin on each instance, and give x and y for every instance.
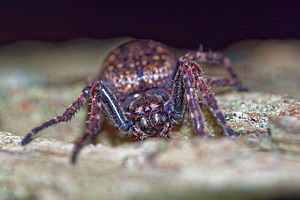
(144, 91)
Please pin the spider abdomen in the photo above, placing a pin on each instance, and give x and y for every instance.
(138, 65)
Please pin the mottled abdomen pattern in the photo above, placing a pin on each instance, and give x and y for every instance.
(137, 66)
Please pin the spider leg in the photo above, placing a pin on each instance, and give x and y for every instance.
(192, 69)
(66, 116)
(176, 107)
(87, 122)
(215, 57)
(87, 119)
(165, 132)
(218, 81)
(184, 86)
(192, 98)
(92, 127)
(102, 97)
(112, 107)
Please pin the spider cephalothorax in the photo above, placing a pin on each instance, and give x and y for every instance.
(148, 114)
(144, 91)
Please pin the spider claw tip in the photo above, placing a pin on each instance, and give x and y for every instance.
(26, 140)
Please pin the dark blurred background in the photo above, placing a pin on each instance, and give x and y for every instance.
(183, 24)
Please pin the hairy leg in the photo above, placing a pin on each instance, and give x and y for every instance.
(216, 57)
(102, 98)
(192, 98)
(66, 116)
(209, 99)
(176, 106)
(92, 127)
(192, 79)
(218, 81)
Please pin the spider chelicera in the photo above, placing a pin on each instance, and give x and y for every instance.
(143, 89)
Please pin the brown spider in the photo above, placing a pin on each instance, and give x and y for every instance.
(143, 89)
